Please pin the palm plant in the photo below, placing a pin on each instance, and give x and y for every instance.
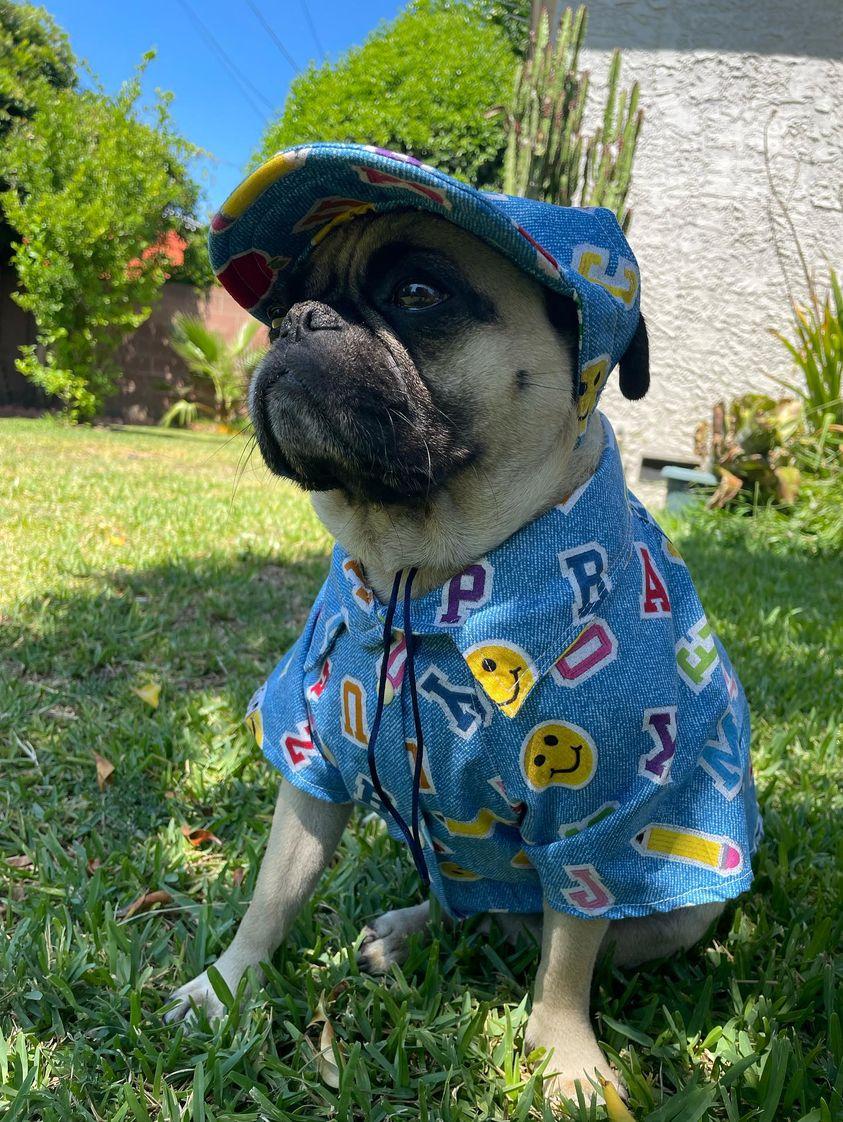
(817, 350)
(816, 345)
(211, 359)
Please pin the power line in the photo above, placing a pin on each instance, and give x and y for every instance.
(270, 30)
(312, 26)
(242, 81)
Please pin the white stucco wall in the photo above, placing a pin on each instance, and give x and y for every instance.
(713, 74)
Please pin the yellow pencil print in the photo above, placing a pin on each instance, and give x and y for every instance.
(481, 826)
(711, 851)
(454, 871)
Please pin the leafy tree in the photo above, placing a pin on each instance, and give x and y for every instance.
(422, 84)
(92, 186)
(512, 16)
(33, 52)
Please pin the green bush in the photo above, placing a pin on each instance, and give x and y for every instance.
(423, 84)
(789, 453)
(512, 16)
(92, 186)
(756, 444)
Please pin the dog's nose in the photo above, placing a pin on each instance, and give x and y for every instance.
(309, 315)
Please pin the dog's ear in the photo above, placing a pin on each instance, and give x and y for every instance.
(635, 364)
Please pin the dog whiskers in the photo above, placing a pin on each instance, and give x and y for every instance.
(242, 463)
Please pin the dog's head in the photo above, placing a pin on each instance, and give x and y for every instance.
(413, 355)
(426, 390)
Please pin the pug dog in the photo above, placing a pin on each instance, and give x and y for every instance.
(423, 389)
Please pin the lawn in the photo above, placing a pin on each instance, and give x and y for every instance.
(136, 557)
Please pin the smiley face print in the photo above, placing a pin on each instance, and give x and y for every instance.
(254, 715)
(505, 672)
(557, 755)
(254, 723)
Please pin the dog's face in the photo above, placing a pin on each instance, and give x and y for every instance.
(412, 353)
(424, 389)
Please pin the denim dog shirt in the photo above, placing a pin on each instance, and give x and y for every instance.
(586, 738)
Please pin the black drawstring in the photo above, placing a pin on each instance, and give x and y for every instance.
(411, 834)
(410, 642)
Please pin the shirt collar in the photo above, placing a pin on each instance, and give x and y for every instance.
(515, 611)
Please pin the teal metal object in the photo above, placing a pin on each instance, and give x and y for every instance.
(682, 484)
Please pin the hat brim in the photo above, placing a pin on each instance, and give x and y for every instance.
(276, 217)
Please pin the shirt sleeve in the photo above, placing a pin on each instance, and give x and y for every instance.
(577, 887)
(279, 719)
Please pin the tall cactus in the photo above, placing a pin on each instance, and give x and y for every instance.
(548, 154)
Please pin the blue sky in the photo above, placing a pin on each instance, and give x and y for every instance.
(210, 108)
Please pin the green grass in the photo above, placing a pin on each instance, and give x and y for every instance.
(126, 557)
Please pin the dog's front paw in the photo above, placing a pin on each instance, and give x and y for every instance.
(231, 966)
(574, 1058)
(383, 943)
(194, 994)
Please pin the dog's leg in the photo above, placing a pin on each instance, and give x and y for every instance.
(515, 924)
(559, 1021)
(385, 939)
(305, 832)
(633, 941)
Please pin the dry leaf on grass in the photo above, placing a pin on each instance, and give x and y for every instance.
(616, 1109)
(146, 901)
(105, 770)
(92, 865)
(61, 713)
(237, 876)
(20, 862)
(150, 693)
(197, 836)
(326, 1065)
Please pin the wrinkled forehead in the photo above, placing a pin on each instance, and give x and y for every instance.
(346, 258)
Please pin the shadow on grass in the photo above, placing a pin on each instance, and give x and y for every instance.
(208, 631)
(156, 431)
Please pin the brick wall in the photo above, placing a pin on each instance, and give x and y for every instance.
(151, 369)
(16, 330)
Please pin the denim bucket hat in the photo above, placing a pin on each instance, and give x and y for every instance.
(287, 206)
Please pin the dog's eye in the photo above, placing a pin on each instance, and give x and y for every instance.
(417, 295)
